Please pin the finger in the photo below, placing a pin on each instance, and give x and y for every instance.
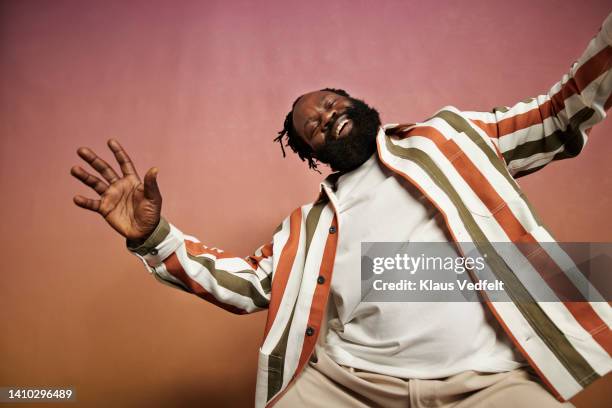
(151, 189)
(87, 203)
(127, 167)
(92, 181)
(97, 163)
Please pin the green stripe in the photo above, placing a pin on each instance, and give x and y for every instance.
(230, 281)
(276, 361)
(571, 138)
(524, 173)
(559, 156)
(550, 334)
(277, 356)
(312, 220)
(157, 236)
(266, 284)
(460, 124)
(502, 109)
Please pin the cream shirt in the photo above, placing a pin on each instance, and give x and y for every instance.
(402, 339)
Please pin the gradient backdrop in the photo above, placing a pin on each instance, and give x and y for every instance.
(199, 89)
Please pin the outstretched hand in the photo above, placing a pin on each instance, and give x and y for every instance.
(130, 206)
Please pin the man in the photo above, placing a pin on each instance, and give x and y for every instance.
(450, 179)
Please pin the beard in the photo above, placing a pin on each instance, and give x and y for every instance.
(349, 152)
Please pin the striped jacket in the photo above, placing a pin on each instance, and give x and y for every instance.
(465, 164)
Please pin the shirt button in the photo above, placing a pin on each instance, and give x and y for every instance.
(309, 331)
(332, 230)
(153, 251)
(321, 280)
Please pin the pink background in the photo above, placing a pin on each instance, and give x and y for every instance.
(199, 89)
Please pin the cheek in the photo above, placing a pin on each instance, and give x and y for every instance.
(317, 141)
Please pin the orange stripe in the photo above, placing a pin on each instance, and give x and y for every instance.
(520, 348)
(254, 260)
(197, 248)
(320, 296)
(524, 120)
(474, 178)
(285, 263)
(587, 73)
(319, 300)
(593, 68)
(550, 272)
(489, 128)
(174, 267)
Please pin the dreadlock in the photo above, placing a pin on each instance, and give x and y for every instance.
(294, 141)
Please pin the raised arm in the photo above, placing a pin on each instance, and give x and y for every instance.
(133, 207)
(554, 126)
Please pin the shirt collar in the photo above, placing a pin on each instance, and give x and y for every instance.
(330, 181)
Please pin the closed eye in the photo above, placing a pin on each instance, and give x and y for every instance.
(314, 124)
(329, 103)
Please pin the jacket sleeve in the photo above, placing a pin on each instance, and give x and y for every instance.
(239, 285)
(554, 126)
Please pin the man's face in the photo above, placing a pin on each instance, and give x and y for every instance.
(320, 116)
(340, 131)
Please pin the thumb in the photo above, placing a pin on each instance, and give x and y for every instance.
(151, 190)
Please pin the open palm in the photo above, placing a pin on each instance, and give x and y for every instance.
(130, 206)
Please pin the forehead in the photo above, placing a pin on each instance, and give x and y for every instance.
(310, 100)
(305, 104)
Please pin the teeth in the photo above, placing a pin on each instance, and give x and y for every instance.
(340, 126)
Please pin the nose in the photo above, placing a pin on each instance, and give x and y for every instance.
(329, 116)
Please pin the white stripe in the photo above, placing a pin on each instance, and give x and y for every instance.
(536, 349)
(261, 389)
(487, 117)
(238, 267)
(421, 180)
(443, 127)
(163, 274)
(231, 265)
(535, 160)
(279, 241)
(198, 273)
(427, 146)
(312, 267)
(507, 192)
(565, 263)
(291, 290)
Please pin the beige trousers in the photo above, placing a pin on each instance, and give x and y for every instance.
(327, 384)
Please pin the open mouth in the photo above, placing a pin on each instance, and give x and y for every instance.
(341, 127)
